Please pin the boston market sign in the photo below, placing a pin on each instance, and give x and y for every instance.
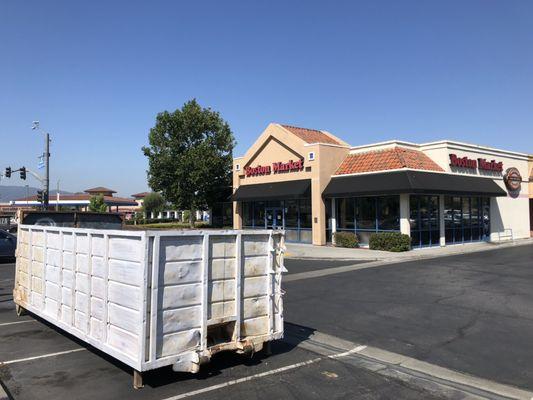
(276, 167)
(480, 163)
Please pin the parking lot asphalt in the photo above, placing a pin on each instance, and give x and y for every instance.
(70, 369)
(471, 313)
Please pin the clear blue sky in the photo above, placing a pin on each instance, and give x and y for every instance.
(96, 73)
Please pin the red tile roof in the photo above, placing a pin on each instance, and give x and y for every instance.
(311, 135)
(141, 195)
(110, 200)
(381, 160)
(99, 189)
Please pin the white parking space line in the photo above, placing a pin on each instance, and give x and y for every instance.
(441, 381)
(263, 374)
(17, 322)
(59, 353)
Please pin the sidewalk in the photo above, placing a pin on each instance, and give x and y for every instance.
(3, 394)
(303, 251)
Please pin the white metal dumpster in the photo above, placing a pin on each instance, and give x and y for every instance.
(154, 298)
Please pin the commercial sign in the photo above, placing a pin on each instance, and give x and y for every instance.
(276, 167)
(480, 163)
(512, 179)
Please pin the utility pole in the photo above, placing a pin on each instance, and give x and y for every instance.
(57, 196)
(46, 159)
(47, 170)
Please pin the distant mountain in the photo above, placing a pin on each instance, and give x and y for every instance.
(9, 193)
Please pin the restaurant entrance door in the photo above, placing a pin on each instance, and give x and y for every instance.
(274, 218)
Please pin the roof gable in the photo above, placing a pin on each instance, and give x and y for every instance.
(274, 148)
(312, 135)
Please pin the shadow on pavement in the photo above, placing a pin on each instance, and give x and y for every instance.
(219, 362)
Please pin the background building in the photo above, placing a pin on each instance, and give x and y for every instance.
(80, 201)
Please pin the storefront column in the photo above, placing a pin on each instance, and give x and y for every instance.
(318, 211)
(405, 227)
(333, 219)
(237, 218)
(441, 221)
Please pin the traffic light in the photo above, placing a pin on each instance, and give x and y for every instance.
(40, 196)
(23, 173)
(8, 172)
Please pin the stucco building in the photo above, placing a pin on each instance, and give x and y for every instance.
(313, 184)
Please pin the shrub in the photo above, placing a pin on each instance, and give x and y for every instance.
(154, 202)
(144, 221)
(390, 241)
(97, 204)
(346, 239)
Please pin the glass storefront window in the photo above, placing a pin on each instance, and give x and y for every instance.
(424, 219)
(366, 213)
(448, 219)
(475, 220)
(434, 220)
(345, 213)
(389, 213)
(247, 214)
(291, 213)
(259, 214)
(306, 218)
(467, 219)
(467, 230)
(486, 217)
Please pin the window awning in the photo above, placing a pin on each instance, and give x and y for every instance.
(273, 191)
(412, 182)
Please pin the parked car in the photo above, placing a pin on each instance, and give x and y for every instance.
(8, 244)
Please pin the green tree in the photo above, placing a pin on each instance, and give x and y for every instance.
(154, 202)
(97, 204)
(190, 157)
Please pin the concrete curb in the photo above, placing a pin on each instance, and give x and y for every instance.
(443, 382)
(394, 261)
(418, 253)
(3, 394)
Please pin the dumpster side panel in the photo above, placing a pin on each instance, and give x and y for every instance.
(241, 288)
(179, 300)
(88, 282)
(262, 304)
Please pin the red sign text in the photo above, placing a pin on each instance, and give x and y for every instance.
(277, 167)
(480, 163)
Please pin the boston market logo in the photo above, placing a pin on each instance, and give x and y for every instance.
(277, 167)
(480, 163)
(512, 179)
